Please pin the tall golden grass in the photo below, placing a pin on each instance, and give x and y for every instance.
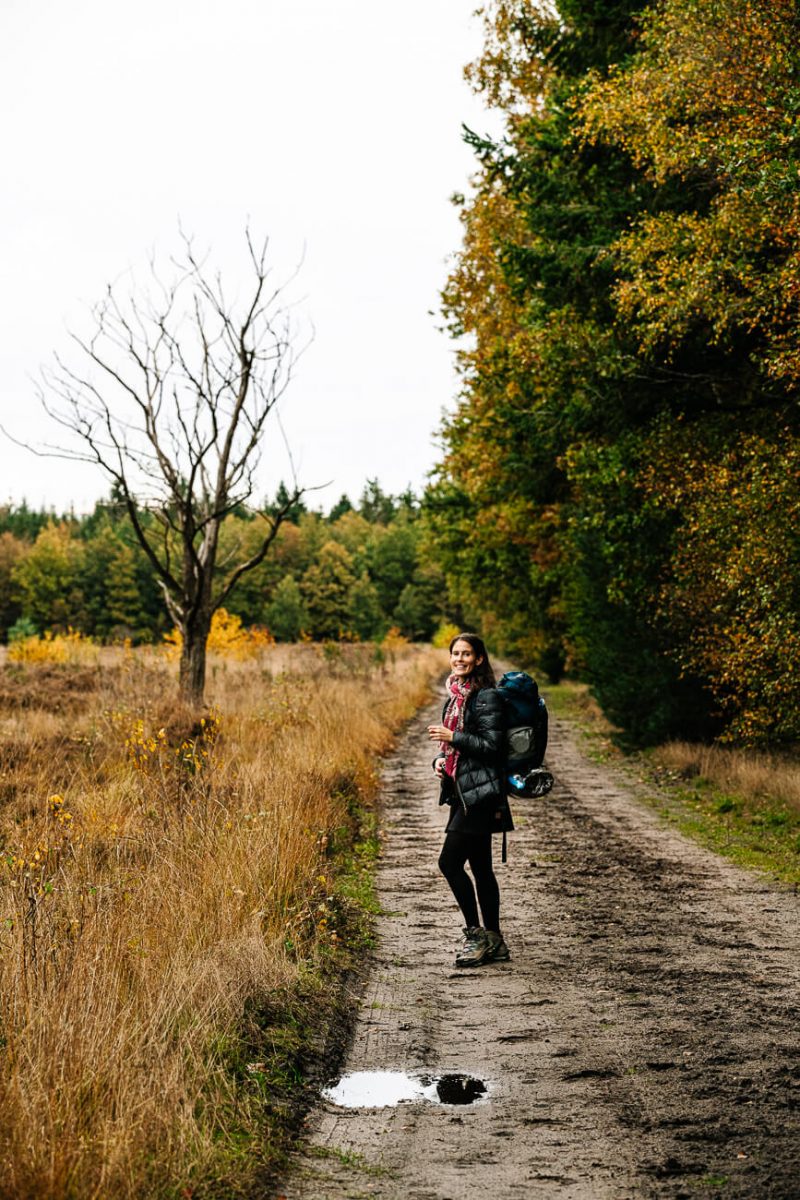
(754, 774)
(158, 875)
(757, 776)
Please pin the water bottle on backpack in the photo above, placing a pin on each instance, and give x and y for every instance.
(526, 735)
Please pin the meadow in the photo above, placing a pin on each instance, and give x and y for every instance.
(180, 895)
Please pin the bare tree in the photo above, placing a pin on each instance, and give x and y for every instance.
(172, 404)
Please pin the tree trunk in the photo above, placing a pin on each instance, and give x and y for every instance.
(192, 679)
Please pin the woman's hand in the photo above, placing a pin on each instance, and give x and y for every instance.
(440, 733)
(438, 767)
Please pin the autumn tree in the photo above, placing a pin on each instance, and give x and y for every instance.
(628, 281)
(730, 587)
(708, 287)
(529, 300)
(708, 105)
(170, 395)
(49, 579)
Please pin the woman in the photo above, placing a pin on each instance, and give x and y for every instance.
(471, 769)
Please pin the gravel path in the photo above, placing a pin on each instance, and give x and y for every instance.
(642, 1042)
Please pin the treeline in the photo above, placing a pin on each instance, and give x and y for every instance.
(353, 572)
(620, 492)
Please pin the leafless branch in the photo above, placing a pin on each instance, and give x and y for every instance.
(171, 400)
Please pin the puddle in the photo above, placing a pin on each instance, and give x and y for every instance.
(459, 1089)
(385, 1089)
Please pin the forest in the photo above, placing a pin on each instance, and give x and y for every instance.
(353, 573)
(619, 493)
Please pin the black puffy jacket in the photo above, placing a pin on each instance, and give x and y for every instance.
(480, 782)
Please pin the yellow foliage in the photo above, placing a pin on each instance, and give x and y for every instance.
(730, 592)
(444, 636)
(152, 756)
(227, 638)
(70, 647)
(711, 96)
(394, 641)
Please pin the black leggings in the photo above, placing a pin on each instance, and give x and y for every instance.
(476, 849)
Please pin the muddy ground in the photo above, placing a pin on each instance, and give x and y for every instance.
(643, 1042)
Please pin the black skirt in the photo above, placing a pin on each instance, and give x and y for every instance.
(490, 817)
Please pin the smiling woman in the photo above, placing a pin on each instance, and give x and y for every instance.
(470, 768)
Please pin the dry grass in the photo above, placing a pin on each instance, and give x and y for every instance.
(159, 875)
(750, 774)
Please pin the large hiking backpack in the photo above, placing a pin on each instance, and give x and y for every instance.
(526, 735)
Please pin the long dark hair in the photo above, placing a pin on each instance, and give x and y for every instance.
(483, 675)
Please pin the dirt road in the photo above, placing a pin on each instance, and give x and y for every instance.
(643, 1041)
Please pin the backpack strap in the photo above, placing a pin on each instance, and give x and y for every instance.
(505, 854)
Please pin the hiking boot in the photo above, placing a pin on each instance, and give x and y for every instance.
(496, 949)
(475, 948)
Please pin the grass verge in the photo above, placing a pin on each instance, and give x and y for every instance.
(742, 804)
(181, 900)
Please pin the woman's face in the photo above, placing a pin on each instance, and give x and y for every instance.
(463, 659)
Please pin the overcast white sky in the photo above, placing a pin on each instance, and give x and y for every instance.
(331, 125)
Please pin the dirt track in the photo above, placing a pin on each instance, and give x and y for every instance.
(643, 1042)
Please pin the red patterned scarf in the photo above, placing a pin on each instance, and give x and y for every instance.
(458, 690)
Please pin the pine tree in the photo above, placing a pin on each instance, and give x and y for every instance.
(342, 506)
